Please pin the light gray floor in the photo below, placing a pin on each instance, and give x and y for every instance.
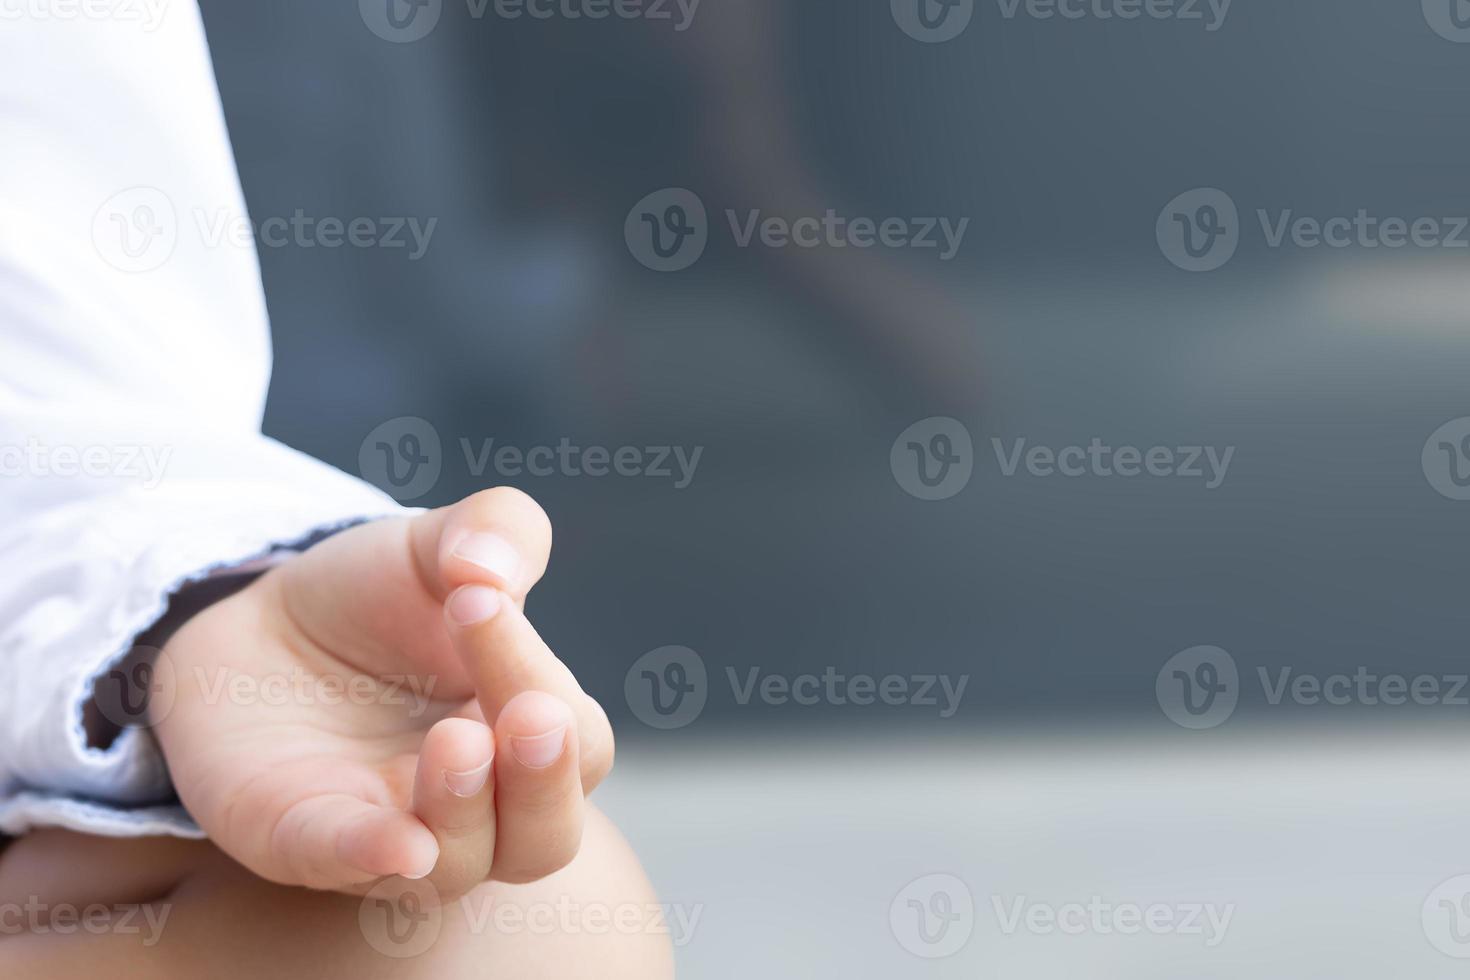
(1322, 847)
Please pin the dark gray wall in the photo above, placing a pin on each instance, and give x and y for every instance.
(795, 547)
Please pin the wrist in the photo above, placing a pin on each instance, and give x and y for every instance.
(127, 696)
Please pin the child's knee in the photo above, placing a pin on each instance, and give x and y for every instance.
(598, 917)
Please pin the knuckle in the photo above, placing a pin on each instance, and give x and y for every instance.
(597, 763)
(599, 770)
(598, 745)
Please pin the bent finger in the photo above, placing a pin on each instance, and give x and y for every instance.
(505, 657)
(454, 795)
(540, 806)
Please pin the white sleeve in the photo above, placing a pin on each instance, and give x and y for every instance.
(134, 362)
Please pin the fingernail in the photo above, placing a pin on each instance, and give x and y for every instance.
(473, 604)
(539, 751)
(492, 553)
(424, 873)
(467, 783)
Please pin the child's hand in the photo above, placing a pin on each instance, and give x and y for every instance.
(295, 737)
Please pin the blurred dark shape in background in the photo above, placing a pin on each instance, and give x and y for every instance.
(793, 548)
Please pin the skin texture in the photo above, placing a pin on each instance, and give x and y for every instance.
(221, 921)
(315, 721)
(370, 731)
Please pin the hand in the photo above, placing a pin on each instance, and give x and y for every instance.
(379, 705)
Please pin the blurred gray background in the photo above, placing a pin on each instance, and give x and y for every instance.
(528, 321)
(796, 548)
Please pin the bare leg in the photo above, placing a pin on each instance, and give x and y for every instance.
(183, 910)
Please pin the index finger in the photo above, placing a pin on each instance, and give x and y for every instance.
(505, 657)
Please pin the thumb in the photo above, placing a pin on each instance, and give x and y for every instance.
(373, 595)
(499, 537)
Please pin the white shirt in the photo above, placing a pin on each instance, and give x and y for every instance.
(134, 362)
